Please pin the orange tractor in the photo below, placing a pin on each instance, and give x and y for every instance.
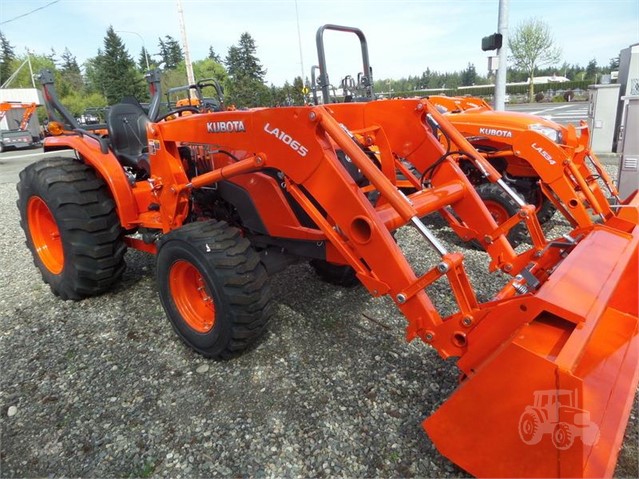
(549, 165)
(225, 199)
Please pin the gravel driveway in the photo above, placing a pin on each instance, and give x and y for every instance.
(103, 387)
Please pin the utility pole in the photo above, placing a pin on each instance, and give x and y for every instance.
(187, 56)
(299, 41)
(500, 80)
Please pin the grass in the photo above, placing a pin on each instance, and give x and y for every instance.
(145, 470)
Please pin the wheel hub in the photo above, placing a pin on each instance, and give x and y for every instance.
(45, 235)
(191, 296)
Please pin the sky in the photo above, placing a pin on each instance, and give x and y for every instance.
(404, 36)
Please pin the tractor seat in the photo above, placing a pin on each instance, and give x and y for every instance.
(126, 123)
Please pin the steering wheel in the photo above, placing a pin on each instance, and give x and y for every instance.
(178, 112)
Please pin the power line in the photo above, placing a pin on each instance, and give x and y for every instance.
(29, 13)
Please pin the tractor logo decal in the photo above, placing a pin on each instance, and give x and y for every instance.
(286, 139)
(555, 412)
(544, 153)
(235, 126)
(494, 132)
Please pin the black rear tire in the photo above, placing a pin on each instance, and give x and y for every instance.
(66, 198)
(213, 287)
(337, 274)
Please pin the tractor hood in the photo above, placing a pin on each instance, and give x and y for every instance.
(503, 124)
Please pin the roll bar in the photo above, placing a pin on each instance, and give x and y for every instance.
(366, 79)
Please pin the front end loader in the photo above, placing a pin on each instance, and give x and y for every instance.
(225, 199)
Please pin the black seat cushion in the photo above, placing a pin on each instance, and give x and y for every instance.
(127, 123)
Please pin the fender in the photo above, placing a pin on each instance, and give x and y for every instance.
(108, 167)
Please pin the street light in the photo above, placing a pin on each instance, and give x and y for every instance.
(146, 53)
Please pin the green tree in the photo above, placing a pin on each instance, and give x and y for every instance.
(592, 70)
(171, 52)
(38, 62)
(70, 71)
(614, 63)
(246, 75)
(114, 71)
(7, 55)
(78, 102)
(242, 59)
(278, 97)
(213, 55)
(202, 69)
(297, 92)
(469, 75)
(143, 59)
(532, 46)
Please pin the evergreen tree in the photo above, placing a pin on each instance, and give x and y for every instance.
(469, 75)
(297, 92)
(52, 56)
(214, 56)
(614, 63)
(7, 55)
(242, 60)
(144, 60)
(592, 70)
(246, 75)
(171, 52)
(69, 64)
(115, 71)
(70, 70)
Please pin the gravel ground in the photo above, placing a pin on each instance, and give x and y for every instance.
(103, 387)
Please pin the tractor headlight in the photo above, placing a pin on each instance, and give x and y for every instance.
(551, 133)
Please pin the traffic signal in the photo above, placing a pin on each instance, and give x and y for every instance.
(491, 42)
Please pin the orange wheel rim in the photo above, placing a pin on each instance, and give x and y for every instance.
(45, 235)
(497, 211)
(191, 296)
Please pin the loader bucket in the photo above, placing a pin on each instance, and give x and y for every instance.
(554, 399)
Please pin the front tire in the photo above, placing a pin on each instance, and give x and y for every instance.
(213, 288)
(71, 227)
(501, 207)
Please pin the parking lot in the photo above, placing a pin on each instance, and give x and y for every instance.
(562, 113)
